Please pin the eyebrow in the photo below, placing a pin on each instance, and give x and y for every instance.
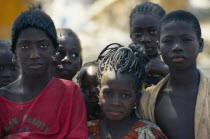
(147, 27)
(21, 41)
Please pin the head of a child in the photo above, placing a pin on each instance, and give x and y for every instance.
(9, 70)
(87, 80)
(69, 59)
(144, 20)
(34, 42)
(180, 39)
(120, 76)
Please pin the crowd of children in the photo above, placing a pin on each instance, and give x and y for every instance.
(128, 92)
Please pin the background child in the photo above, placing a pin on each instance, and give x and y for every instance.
(120, 76)
(87, 80)
(144, 20)
(68, 60)
(179, 104)
(9, 70)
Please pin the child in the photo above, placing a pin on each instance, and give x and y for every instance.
(87, 80)
(37, 106)
(180, 103)
(144, 20)
(68, 59)
(120, 76)
(9, 70)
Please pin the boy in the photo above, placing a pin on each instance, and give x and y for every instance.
(180, 103)
(69, 57)
(9, 70)
(36, 105)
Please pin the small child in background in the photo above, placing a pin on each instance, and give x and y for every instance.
(121, 75)
(87, 80)
(9, 70)
(144, 20)
(68, 60)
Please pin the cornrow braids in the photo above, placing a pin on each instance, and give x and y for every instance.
(33, 18)
(182, 16)
(147, 8)
(122, 60)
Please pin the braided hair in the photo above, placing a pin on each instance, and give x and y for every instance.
(147, 8)
(122, 60)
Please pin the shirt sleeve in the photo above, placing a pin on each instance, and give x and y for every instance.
(78, 128)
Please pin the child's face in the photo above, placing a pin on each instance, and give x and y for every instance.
(179, 45)
(9, 71)
(89, 84)
(144, 31)
(69, 57)
(117, 96)
(34, 51)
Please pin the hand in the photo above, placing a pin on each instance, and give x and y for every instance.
(156, 66)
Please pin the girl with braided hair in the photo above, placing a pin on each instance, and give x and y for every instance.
(120, 75)
(144, 20)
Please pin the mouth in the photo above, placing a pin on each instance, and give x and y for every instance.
(177, 58)
(65, 71)
(93, 99)
(115, 113)
(35, 66)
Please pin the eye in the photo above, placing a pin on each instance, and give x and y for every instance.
(44, 45)
(126, 95)
(186, 39)
(107, 93)
(137, 33)
(167, 41)
(153, 32)
(75, 55)
(24, 46)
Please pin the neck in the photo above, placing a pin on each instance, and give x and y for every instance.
(34, 82)
(184, 77)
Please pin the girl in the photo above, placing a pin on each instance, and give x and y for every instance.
(144, 20)
(121, 75)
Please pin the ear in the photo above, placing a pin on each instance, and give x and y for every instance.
(201, 45)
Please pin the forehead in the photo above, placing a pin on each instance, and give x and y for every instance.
(110, 78)
(174, 28)
(32, 34)
(145, 20)
(91, 70)
(68, 42)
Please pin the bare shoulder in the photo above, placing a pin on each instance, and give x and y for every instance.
(9, 90)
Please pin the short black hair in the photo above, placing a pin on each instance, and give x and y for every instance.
(147, 8)
(122, 60)
(70, 33)
(37, 19)
(182, 16)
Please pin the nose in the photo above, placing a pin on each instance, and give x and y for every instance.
(115, 101)
(34, 54)
(145, 38)
(177, 46)
(66, 59)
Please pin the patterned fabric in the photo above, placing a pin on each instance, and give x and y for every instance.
(141, 130)
(146, 107)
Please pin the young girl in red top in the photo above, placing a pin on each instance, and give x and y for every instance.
(121, 75)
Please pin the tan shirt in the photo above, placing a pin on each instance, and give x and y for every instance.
(146, 107)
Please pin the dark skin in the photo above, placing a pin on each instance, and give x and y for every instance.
(69, 59)
(176, 102)
(9, 71)
(117, 99)
(33, 50)
(144, 32)
(89, 87)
